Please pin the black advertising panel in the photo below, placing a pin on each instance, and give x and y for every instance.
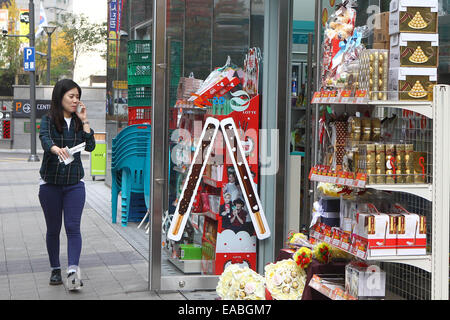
(22, 108)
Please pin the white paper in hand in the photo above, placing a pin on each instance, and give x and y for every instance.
(71, 152)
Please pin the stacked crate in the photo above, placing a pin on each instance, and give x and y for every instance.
(139, 81)
(176, 54)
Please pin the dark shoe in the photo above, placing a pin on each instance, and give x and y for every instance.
(55, 278)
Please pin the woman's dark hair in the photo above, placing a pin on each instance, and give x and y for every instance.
(231, 171)
(56, 112)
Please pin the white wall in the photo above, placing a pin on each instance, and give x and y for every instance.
(90, 63)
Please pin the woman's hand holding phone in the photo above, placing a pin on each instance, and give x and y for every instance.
(81, 111)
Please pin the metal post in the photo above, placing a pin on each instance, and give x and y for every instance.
(317, 44)
(441, 192)
(159, 143)
(304, 219)
(49, 57)
(283, 118)
(33, 156)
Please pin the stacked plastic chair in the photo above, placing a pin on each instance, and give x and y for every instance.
(130, 168)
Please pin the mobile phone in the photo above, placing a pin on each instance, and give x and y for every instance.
(79, 108)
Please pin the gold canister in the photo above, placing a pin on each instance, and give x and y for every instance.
(366, 129)
(355, 128)
(381, 176)
(390, 156)
(400, 163)
(390, 163)
(409, 176)
(370, 155)
(371, 175)
(380, 157)
(376, 129)
(409, 159)
(390, 178)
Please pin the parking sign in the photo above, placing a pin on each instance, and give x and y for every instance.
(29, 59)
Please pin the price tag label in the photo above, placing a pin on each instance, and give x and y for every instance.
(361, 180)
(333, 97)
(317, 97)
(341, 178)
(361, 97)
(346, 97)
(345, 242)
(361, 249)
(325, 97)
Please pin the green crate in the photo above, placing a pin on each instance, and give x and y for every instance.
(139, 74)
(140, 57)
(190, 252)
(139, 96)
(139, 46)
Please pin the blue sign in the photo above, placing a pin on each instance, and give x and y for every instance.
(29, 59)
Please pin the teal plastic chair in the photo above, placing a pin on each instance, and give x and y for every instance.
(129, 170)
(128, 176)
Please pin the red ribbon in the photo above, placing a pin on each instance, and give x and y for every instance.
(421, 161)
(392, 161)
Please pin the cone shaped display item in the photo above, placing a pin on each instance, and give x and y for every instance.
(234, 146)
(195, 174)
(418, 56)
(417, 91)
(193, 178)
(418, 22)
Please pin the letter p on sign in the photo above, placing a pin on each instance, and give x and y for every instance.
(29, 59)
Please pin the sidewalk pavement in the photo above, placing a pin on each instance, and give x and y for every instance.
(112, 268)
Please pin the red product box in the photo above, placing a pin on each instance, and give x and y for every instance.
(374, 228)
(336, 237)
(327, 233)
(346, 241)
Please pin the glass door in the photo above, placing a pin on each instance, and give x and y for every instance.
(206, 213)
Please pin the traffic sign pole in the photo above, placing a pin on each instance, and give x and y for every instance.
(33, 155)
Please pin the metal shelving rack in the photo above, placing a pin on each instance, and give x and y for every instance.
(437, 193)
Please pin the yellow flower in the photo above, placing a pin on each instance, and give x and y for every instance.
(322, 252)
(303, 257)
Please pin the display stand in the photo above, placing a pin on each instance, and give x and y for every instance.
(436, 191)
(223, 241)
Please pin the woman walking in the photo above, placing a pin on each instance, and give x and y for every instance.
(61, 185)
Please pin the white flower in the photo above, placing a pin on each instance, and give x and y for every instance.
(284, 280)
(240, 283)
(250, 288)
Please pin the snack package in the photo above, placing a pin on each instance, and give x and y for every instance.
(338, 30)
(218, 83)
(374, 72)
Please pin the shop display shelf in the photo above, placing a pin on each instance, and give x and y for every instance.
(187, 266)
(337, 292)
(329, 289)
(212, 182)
(420, 261)
(422, 190)
(423, 107)
(209, 214)
(180, 169)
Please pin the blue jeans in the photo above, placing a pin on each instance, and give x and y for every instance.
(56, 199)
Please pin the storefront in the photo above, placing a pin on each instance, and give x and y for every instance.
(225, 102)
